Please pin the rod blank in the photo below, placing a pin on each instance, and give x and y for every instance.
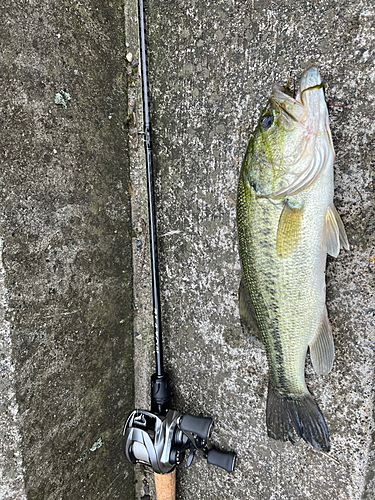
(151, 200)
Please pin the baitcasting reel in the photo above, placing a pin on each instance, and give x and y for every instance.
(161, 442)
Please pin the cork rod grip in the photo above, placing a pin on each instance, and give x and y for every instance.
(165, 486)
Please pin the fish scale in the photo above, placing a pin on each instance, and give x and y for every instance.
(286, 225)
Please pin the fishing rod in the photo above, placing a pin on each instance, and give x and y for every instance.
(159, 439)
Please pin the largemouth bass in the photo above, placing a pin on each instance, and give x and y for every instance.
(287, 224)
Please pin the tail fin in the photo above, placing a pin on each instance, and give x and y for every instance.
(286, 414)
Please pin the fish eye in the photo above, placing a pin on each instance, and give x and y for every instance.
(266, 121)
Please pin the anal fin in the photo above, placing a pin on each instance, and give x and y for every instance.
(334, 236)
(322, 349)
(246, 310)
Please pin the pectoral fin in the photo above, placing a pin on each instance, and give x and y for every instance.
(247, 314)
(334, 235)
(289, 229)
(322, 349)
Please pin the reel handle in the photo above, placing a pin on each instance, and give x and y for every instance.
(223, 459)
(201, 426)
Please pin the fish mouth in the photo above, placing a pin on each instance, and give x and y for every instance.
(289, 110)
(310, 79)
(295, 109)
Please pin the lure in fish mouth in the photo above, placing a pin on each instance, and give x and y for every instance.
(287, 224)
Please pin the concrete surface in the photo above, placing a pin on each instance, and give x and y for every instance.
(66, 274)
(66, 278)
(211, 68)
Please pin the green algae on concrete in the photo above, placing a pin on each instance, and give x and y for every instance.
(66, 231)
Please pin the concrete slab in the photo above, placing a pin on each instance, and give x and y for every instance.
(66, 279)
(211, 68)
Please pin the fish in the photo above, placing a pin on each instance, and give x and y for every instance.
(287, 224)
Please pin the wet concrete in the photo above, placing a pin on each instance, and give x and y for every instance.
(66, 308)
(211, 66)
(67, 322)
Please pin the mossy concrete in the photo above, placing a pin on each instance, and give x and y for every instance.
(211, 67)
(67, 316)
